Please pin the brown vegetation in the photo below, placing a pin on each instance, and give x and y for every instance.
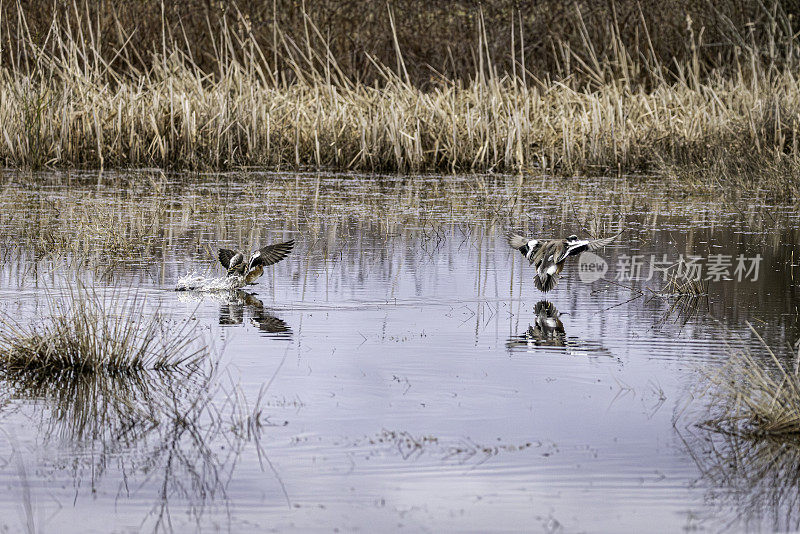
(755, 393)
(438, 39)
(710, 97)
(88, 333)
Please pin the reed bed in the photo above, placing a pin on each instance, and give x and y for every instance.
(184, 120)
(88, 333)
(756, 394)
(65, 103)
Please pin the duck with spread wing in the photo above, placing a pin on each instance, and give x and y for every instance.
(548, 255)
(233, 261)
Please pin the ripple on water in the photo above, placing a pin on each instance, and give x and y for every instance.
(414, 373)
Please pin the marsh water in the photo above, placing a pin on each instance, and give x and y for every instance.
(394, 361)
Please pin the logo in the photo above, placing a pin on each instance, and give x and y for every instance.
(591, 267)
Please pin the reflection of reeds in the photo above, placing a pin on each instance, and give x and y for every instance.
(173, 435)
(89, 406)
(90, 333)
(755, 394)
(135, 224)
(684, 293)
(85, 226)
(132, 224)
(758, 480)
(680, 284)
(684, 287)
(685, 297)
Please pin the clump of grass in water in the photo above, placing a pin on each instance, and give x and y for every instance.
(752, 397)
(89, 333)
(682, 286)
(685, 293)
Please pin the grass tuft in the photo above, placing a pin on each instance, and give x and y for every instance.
(756, 394)
(679, 284)
(87, 333)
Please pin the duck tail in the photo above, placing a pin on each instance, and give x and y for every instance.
(546, 307)
(545, 282)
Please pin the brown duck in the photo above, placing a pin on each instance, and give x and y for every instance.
(233, 261)
(548, 255)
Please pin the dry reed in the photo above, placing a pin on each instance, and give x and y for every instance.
(755, 394)
(71, 106)
(680, 285)
(437, 40)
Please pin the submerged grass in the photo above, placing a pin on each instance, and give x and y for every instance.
(679, 283)
(66, 104)
(88, 333)
(756, 394)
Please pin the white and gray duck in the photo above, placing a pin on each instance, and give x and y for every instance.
(548, 255)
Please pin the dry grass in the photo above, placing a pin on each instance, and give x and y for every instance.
(680, 285)
(71, 106)
(756, 394)
(87, 333)
(438, 40)
(684, 292)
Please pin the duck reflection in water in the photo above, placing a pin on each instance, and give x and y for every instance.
(547, 333)
(547, 328)
(232, 312)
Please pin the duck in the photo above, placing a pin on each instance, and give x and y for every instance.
(549, 255)
(248, 273)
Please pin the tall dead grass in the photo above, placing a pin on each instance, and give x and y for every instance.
(63, 102)
(755, 394)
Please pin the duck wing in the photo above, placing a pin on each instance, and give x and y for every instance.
(225, 255)
(577, 247)
(527, 247)
(270, 254)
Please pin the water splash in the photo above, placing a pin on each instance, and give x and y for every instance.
(198, 282)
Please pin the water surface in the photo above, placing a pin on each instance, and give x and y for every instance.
(409, 387)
